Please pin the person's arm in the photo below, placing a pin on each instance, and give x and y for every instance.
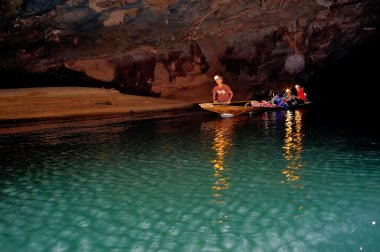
(231, 95)
(214, 97)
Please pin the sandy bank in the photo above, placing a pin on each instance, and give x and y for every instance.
(61, 102)
(34, 109)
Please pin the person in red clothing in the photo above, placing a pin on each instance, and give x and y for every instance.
(301, 96)
(221, 92)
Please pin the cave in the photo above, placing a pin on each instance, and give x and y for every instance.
(168, 49)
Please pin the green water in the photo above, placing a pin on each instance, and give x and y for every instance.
(278, 181)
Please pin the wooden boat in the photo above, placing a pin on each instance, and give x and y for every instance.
(268, 106)
(228, 109)
(264, 105)
(242, 107)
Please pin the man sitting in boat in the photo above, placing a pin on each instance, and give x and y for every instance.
(278, 101)
(221, 92)
(301, 96)
(289, 98)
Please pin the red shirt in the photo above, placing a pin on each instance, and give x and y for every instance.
(301, 95)
(222, 93)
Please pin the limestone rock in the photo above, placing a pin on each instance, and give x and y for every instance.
(147, 46)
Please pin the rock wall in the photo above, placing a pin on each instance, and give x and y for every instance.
(173, 48)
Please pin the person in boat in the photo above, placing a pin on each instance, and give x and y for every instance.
(289, 98)
(301, 96)
(221, 92)
(277, 101)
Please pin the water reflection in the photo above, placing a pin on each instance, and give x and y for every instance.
(293, 147)
(222, 131)
(269, 121)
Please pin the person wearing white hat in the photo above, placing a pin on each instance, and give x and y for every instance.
(301, 96)
(221, 92)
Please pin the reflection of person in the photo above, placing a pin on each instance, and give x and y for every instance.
(222, 92)
(222, 145)
(293, 147)
(301, 97)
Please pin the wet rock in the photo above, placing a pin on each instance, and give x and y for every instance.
(39, 6)
(98, 69)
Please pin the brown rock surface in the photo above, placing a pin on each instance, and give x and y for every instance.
(184, 41)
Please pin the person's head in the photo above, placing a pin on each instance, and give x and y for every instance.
(298, 87)
(218, 79)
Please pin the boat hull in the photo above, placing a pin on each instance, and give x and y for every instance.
(243, 107)
(225, 110)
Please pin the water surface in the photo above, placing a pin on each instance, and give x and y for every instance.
(277, 181)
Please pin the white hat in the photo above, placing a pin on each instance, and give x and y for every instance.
(217, 77)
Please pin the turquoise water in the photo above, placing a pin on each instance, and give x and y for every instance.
(277, 181)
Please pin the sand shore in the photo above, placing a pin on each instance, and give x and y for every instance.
(62, 102)
(30, 109)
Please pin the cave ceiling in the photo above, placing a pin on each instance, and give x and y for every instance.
(167, 45)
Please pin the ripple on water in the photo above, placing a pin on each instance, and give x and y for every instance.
(105, 191)
(316, 238)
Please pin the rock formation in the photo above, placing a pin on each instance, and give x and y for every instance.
(173, 48)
